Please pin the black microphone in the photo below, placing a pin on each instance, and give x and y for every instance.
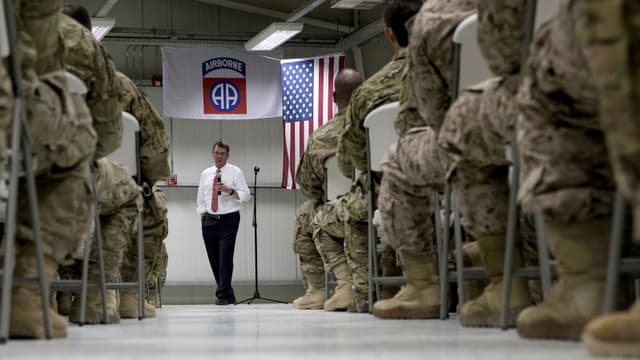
(219, 180)
(256, 169)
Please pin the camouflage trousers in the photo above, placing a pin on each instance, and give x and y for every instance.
(340, 234)
(476, 130)
(616, 71)
(565, 170)
(158, 270)
(412, 174)
(155, 230)
(116, 231)
(303, 243)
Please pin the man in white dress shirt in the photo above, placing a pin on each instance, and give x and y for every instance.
(221, 192)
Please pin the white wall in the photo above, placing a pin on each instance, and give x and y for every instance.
(253, 142)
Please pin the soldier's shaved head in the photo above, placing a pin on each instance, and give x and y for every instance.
(78, 13)
(346, 81)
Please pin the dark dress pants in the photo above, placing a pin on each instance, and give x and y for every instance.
(219, 234)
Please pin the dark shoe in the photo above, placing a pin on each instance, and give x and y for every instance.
(231, 301)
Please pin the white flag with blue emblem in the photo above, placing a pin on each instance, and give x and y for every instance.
(219, 84)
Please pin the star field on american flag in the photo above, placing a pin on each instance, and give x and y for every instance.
(297, 91)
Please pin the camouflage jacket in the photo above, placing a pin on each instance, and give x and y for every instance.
(87, 59)
(557, 73)
(501, 25)
(382, 88)
(114, 186)
(430, 56)
(322, 144)
(154, 150)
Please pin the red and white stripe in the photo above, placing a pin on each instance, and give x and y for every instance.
(296, 134)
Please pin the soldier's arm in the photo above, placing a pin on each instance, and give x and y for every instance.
(501, 34)
(353, 138)
(154, 151)
(306, 177)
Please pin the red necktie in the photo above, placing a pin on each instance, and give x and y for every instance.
(214, 196)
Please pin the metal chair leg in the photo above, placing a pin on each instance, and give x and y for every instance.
(543, 254)
(615, 252)
(510, 241)
(444, 271)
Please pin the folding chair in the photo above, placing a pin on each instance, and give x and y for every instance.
(129, 155)
(21, 164)
(380, 135)
(469, 67)
(335, 185)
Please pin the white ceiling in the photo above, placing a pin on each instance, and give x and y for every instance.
(159, 22)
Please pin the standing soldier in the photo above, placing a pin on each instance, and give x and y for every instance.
(310, 175)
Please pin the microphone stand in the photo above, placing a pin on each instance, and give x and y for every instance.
(256, 293)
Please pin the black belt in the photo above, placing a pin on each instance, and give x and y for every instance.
(218, 217)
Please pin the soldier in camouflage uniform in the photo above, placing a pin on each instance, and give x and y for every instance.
(474, 134)
(565, 174)
(156, 276)
(382, 88)
(413, 169)
(63, 143)
(87, 59)
(119, 200)
(611, 43)
(154, 163)
(310, 176)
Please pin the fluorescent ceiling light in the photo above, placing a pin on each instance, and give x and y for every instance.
(101, 26)
(355, 4)
(273, 36)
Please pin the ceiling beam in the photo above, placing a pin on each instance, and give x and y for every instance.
(362, 35)
(304, 9)
(104, 10)
(277, 14)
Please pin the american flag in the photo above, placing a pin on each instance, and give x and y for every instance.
(307, 103)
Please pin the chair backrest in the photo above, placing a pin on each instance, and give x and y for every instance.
(127, 153)
(380, 132)
(472, 68)
(75, 84)
(545, 10)
(336, 184)
(5, 49)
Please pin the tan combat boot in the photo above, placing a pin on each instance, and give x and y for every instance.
(581, 252)
(471, 258)
(128, 308)
(615, 334)
(313, 299)
(343, 294)
(26, 302)
(420, 297)
(93, 314)
(485, 310)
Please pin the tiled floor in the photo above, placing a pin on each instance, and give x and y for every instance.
(273, 331)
